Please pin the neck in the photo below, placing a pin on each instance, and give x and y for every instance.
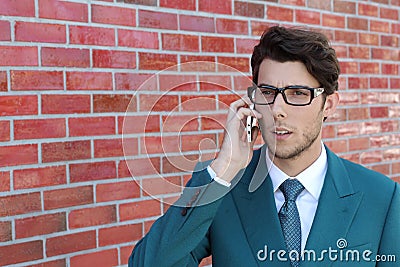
(295, 165)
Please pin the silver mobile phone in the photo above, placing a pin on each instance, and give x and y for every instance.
(250, 123)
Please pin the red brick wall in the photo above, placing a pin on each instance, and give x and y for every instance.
(69, 69)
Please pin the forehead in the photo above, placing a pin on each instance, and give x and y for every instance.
(282, 74)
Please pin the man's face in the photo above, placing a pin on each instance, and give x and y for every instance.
(291, 131)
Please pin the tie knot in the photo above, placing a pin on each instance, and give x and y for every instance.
(291, 189)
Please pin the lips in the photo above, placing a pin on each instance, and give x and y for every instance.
(281, 133)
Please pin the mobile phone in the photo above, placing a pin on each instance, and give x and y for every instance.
(250, 123)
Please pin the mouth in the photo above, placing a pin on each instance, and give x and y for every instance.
(281, 133)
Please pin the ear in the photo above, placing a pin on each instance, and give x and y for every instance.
(331, 103)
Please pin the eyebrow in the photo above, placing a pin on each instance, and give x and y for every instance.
(264, 84)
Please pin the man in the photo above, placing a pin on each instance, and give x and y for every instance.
(293, 202)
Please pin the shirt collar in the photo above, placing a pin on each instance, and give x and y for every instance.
(311, 178)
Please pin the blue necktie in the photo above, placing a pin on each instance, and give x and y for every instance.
(289, 217)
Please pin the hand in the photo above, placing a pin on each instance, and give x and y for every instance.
(236, 152)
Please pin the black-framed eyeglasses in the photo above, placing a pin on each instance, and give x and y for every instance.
(295, 95)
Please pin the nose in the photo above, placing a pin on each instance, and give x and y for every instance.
(278, 107)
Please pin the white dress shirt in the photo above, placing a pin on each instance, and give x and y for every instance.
(312, 179)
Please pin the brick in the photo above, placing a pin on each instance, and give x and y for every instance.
(65, 244)
(5, 131)
(65, 151)
(392, 41)
(18, 155)
(37, 80)
(379, 26)
(180, 42)
(139, 167)
(215, 83)
(357, 23)
(198, 102)
(117, 191)
(217, 44)
(279, 13)
(172, 82)
(103, 258)
(91, 126)
(114, 103)
(21, 252)
(125, 252)
(40, 32)
(62, 10)
(395, 28)
(5, 34)
(120, 234)
(225, 100)
(245, 46)
(240, 84)
(114, 59)
(379, 112)
(138, 124)
(158, 20)
(389, 126)
(105, 148)
(20, 204)
(40, 225)
(21, 8)
(349, 67)
(192, 142)
(234, 64)
(246, 9)
(394, 83)
(369, 67)
(370, 157)
(359, 52)
(39, 128)
(177, 4)
(368, 38)
(320, 4)
(193, 63)
(83, 172)
(140, 2)
(158, 102)
(135, 81)
(358, 113)
(5, 231)
(89, 81)
(341, 6)
(113, 15)
(55, 263)
(65, 57)
(331, 20)
(39, 177)
(3, 81)
(213, 122)
(162, 186)
(18, 56)
(216, 6)
(370, 127)
(232, 26)
(4, 181)
(186, 163)
(139, 210)
(180, 123)
(382, 83)
(388, 13)
(386, 54)
(68, 197)
(196, 23)
(378, 141)
(358, 82)
(137, 39)
(91, 35)
(157, 144)
(65, 104)
(367, 10)
(151, 61)
(290, 2)
(390, 69)
(307, 17)
(92, 216)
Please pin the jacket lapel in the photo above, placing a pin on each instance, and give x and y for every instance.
(337, 207)
(257, 211)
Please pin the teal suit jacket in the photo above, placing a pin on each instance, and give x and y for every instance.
(358, 212)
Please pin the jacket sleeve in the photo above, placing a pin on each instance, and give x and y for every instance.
(389, 247)
(180, 236)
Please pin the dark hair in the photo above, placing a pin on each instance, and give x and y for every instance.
(309, 47)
